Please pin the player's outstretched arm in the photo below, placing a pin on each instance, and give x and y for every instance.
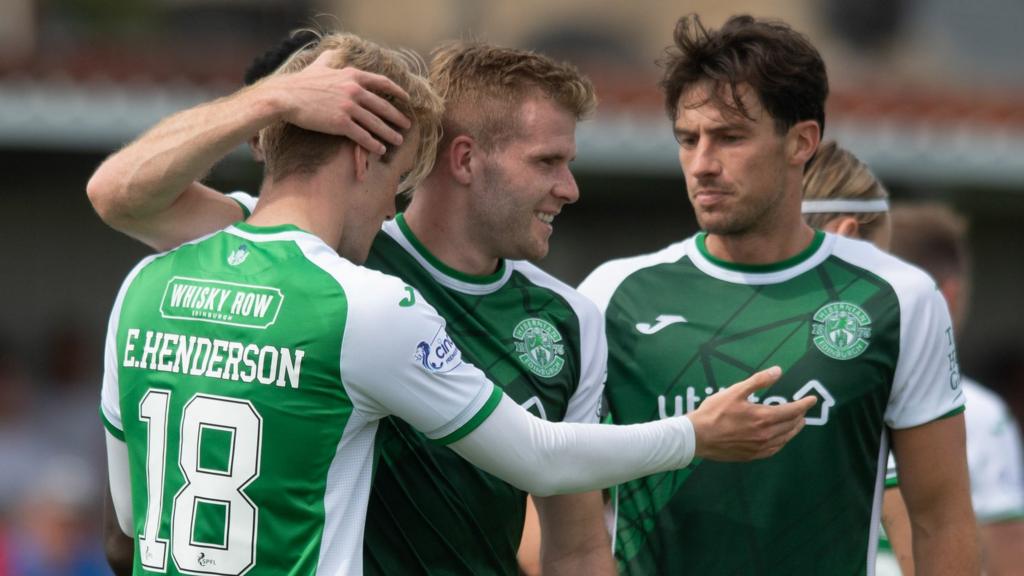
(150, 190)
(546, 458)
(932, 465)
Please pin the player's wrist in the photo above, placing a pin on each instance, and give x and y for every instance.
(689, 439)
(267, 101)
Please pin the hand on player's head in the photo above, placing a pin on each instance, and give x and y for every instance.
(731, 428)
(346, 102)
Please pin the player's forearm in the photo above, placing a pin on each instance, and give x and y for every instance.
(574, 539)
(947, 545)
(596, 562)
(546, 458)
(148, 175)
(1004, 555)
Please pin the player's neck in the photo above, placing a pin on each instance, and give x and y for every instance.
(296, 201)
(758, 247)
(443, 232)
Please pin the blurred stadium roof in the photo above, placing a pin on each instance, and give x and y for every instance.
(928, 138)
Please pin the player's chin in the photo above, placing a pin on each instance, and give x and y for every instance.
(537, 250)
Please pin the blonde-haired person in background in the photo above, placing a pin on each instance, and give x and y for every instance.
(934, 237)
(841, 195)
(500, 176)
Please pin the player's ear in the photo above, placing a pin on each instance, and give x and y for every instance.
(255, 148)
(460, 158)
(844, 226)
(361, 161)
(802, 141)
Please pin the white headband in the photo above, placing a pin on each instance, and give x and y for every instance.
(849, 206)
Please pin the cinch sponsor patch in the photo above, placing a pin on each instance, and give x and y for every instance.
(220, 302)
(439, 355)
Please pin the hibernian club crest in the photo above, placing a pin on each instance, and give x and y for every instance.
(841, 330)
(539, 348)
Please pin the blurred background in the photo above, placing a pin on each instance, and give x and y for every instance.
(930, 93)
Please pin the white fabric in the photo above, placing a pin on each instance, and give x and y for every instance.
(758, 278)
(110, 392)
(119, 477)
(993, 456)
(845, 206)
(886, 564)
(601, 284)
(927, 383)
(381, 335)
(245, 199)
(546, 458)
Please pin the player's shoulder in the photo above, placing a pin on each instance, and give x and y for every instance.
(581, 305)
(905, 278)
(362, 287)
(602, 283)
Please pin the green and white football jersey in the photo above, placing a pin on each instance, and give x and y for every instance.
(247, 373)
(866, 333)
(430, 511)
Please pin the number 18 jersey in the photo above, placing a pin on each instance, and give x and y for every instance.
(246, 373)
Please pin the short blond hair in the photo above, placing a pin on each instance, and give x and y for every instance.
(483, 86)
(290, 150)
(835, 173)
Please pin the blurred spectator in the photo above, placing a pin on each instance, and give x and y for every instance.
(54, 530)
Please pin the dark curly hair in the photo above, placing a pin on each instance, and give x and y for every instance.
(781, 66)
(272, 59)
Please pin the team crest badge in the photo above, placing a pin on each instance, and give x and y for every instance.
(239, 255)
(841, 330)
(539, 348)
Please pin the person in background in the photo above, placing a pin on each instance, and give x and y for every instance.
(934, 237)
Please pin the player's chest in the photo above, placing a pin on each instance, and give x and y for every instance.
(525, 340)
(676, 350)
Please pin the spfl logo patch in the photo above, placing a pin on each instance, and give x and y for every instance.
(439, 355)
(841, 330)
(537, 343)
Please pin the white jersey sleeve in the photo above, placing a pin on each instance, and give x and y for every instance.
(110, 391)
(247, 202)
(397, 358)
(993, 456)
(926, 384)
(546, 458)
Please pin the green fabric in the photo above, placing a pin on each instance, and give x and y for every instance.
(436, 263)
(804, 254)
(785, 515)
(119, 434)
(300, 421)
(476, 421)
(430, 511)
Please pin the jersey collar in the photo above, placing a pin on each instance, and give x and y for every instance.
(398, 229)
(815, 253)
